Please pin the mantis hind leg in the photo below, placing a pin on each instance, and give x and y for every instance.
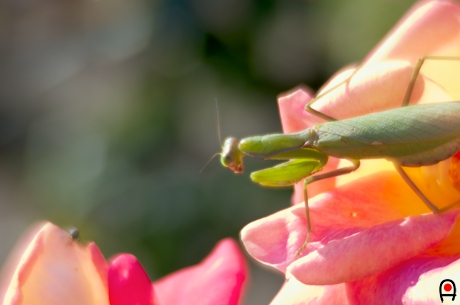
(334, 173)
(416, 72)
(319, 114)
(416, 190)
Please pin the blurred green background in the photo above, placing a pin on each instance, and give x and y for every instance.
(107, 114)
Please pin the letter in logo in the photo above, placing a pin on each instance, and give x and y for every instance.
(447, 288)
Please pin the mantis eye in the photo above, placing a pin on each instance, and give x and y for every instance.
(227, 160)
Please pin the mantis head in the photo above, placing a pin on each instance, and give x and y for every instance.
(231, 155)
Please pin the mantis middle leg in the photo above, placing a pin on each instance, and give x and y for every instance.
(308, 180)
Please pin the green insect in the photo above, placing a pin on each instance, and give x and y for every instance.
(410, 136)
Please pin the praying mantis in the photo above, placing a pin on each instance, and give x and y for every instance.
(411, 136)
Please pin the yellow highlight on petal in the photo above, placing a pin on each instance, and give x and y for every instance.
(435, 183)
(366, 168)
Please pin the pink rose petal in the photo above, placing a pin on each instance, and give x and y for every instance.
(373, 250)
(274, 240)
(218, 280)
(414, 282)
(292, 110)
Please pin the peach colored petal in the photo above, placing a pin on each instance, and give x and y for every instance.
(128, 282)
(380, 198)
(295, 293)
(218, 280)
(55, 269)
(424, 30)
(414, 282)
(373, 88)
(373, 250)
(430, 28)
(14, 258)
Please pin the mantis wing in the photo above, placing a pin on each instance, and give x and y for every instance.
(410, 136)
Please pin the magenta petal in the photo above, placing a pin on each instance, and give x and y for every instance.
(373, 250)
(414, 282)
(128, 282)
(218, 280)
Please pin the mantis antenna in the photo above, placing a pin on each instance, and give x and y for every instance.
(218, 135)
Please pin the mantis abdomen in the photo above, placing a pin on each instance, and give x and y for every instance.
(410, 136)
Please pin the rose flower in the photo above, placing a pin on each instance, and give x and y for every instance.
(373, 240)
